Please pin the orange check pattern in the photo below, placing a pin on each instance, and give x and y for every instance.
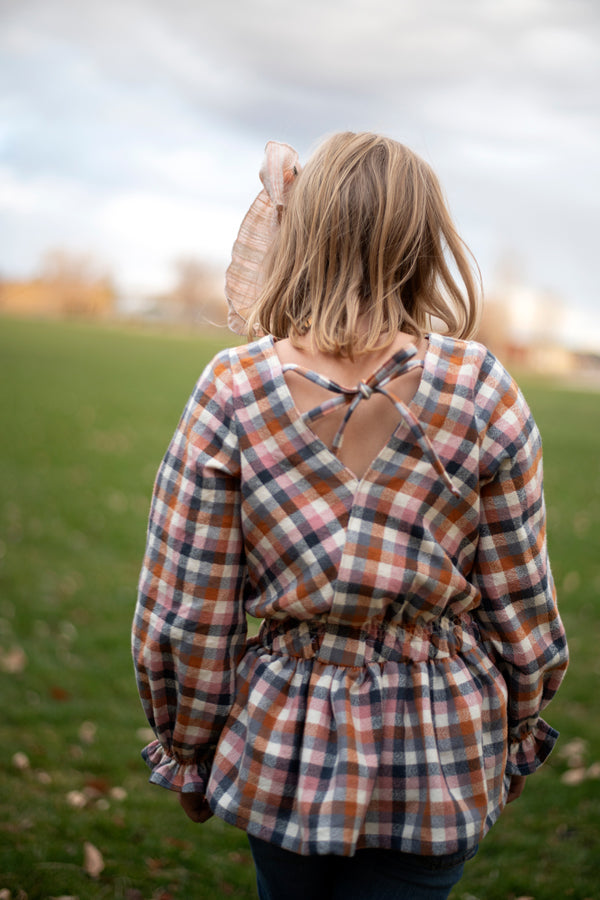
(410, 633)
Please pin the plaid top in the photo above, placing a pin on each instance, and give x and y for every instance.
(410, 634)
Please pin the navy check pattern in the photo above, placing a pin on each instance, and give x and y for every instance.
(410, 635)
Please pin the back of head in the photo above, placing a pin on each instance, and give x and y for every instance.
(360, 252)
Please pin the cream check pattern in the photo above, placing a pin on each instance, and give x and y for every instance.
(410, 633)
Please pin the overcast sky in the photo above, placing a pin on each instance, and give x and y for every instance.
(135, 130)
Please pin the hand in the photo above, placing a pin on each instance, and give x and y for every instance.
(517, 783)
(195, 806)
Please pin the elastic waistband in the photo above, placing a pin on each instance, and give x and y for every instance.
(346, 645)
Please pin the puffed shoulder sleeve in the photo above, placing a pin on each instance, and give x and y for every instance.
(189, 628)
(518, 615)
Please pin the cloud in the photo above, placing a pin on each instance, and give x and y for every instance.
(151, 230)
(138, 126)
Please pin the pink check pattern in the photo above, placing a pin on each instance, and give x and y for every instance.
(410, 634)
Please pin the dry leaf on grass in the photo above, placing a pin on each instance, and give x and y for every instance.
(13, 660)
(573, 776)
(178, 843)
(87, 732)
(76, 799)
(574, 752)
(155, 865)
(21, 762)
(59, 694)
(93, 863)
(96, 786)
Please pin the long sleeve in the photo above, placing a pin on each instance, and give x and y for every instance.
(189, 628)
(518, 616)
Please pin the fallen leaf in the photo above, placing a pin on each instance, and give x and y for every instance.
(77, 799)
(154, 865)
(95, 787)
(59, 693)
(13, 660)
(93, 863)
(577, 745)
(594, 770)
(573, 776)
(178, 843)
(574, 752)
(20, 761)
(87, 732)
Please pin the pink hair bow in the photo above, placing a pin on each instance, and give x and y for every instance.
(245, 275)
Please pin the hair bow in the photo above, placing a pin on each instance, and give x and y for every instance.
(245, 275)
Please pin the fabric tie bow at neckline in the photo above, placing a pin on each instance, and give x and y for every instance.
(245, 275)
(400, 363)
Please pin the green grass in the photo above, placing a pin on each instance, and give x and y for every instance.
(86, 414)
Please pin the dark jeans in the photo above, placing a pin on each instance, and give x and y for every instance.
(369, 875)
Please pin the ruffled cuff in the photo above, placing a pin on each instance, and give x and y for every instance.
(170, 773)
(527, 752)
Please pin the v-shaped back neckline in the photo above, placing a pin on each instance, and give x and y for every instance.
(297, 420)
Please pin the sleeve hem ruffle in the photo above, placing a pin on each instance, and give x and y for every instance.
(527, 752)
(170, 773)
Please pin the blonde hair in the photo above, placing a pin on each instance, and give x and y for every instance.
(363, 240)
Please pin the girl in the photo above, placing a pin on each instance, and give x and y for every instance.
(371, 489)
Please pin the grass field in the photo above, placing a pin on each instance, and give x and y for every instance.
(86, 414)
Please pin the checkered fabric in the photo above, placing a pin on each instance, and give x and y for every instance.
(410, 634)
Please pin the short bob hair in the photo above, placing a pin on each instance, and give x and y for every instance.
(363, 240)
